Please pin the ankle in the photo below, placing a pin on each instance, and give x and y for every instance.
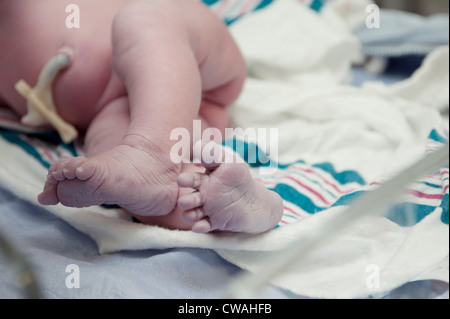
(145, 143)
(159, 151)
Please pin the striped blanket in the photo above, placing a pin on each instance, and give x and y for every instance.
(232, 10)
(308, 189)
(336, 143)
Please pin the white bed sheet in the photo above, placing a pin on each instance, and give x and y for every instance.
(50, 245)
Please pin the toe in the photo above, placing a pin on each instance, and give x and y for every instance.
(55, 173)
(202, 227)
(48, 195)
(190, 180)
(85, 169)
(194, 215)
(51, 179)
(69, 171)
(190, 201)
(212, 155)
(58, 175)
(51, 172)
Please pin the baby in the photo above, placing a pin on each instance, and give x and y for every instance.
(139, 69)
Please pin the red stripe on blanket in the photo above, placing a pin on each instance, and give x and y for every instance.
(426, 196)
(312, 191)
(334, 186)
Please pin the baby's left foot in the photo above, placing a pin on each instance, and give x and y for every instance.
(227, 198)
(136, 176)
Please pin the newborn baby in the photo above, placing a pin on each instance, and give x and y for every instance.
(138, 70)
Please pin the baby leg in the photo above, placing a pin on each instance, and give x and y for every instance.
(171, 55)
(66, 184)
(227, 198)
(162, 54)
(145, 183)
(211, 115)
(162, 78)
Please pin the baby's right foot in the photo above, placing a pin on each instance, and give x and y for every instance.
(227, 198)
(137, 177)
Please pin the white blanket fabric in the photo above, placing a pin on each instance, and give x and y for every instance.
(298, 63)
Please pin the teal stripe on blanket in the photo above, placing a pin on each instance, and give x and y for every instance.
(47, 141)
(435, 136)
(409, 214)
(315, 5)
(256, 158)
(263, 4)
(404, 214)
(293, 196)
(16, 139)
(210, 2)
(445, 209)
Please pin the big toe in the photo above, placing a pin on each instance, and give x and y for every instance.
(48, 196)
